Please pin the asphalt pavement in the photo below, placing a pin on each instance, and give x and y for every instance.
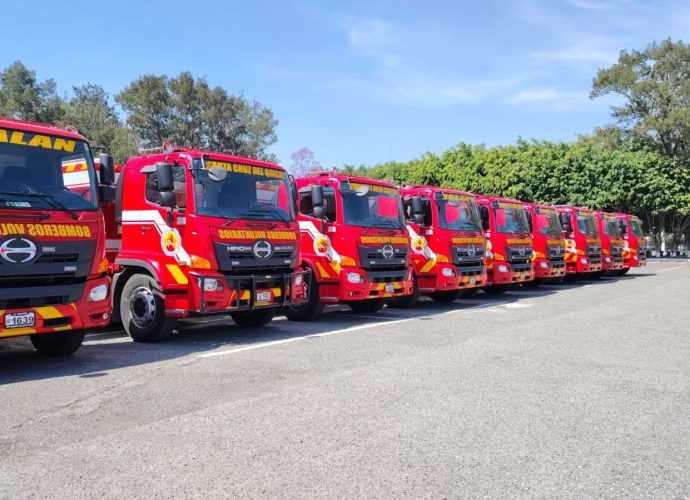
(565, 391)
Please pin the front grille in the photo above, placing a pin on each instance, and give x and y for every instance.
(468, 260)
(36, 280)
(374, 257)
(386, 276)
(519, 254)
(521, 266)
(58, 258)
(557, 263)
(250, 256)
(616, 250)
(556, 252)
(593, 250)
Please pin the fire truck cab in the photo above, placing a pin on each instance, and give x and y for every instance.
(202, 233)
(509, 243)
(355, 242)
(583, 244)
(634, 242)
(548, 241)
(447, 244)
(611, 243)
(53, 281)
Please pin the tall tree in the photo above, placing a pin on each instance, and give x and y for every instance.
(655, 86)
(90, 111)
(22, 96)
(189, 112)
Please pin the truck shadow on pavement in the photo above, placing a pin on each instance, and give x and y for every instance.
(111, 349)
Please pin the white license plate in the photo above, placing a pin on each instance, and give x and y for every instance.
(20, 320)
(390, 288)
(473, 281)
(263, 296)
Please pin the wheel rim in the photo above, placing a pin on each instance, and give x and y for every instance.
(142, 307)
(301, 306)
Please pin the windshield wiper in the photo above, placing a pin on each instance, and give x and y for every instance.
(49, 198)
(390, 222)
(264, 213)
(273, 210)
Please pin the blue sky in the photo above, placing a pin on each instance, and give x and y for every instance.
(360, 81)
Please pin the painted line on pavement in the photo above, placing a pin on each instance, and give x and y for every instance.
(670, 269)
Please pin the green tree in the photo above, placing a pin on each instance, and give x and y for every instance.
(22, 96)
(188, 112)
(91, 112)
(655, 86)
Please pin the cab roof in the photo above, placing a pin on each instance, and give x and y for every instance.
(498, 198)
(334, 176)
(157, 154)
(433, 189)
(38, 128)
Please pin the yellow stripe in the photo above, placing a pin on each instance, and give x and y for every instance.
(322, 271)
(428, 266)
(17, 331)
(48, 312)
(347, 261)
(245, 295)
(177, 273)
(277, 292)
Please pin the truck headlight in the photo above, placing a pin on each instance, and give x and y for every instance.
(544, 265)
(447, 272)
(355, 278)
(212, 285)
(98, 293)
(502, 268)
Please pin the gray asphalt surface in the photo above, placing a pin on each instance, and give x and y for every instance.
(564, 391)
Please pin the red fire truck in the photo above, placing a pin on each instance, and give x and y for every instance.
(634, 242)
(508, 245)
(583, 244)
(447, 244)
(53, 281)
(354, 241)
(548, 242)
(198, 233)
(611, 243)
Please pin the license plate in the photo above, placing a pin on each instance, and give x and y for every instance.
(20, 320)
(390, 288)
(473, 281)
(263, 296)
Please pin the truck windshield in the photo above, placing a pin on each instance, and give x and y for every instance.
(45, 172)
(510, 218)
(458, 213)
(548, 223)
(611, 227)
(245, 192)
(636, 227)
(587, 224)
(371, 205)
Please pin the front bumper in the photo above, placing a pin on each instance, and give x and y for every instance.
(503, 274)
(611, 263)
(215, 293)
(371, 285)
(544, 268)
(83, 314)
(460, 279)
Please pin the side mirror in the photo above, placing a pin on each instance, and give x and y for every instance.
(565, 222)
(319, 211)
(294, 194)
(165, 177)
(418, 219)
(166, 199)
(106, 173)
(417, 205)
(106, 194)
(316, 196)
(484, 214)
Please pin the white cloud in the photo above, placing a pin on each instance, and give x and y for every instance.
(598, 4)
(374, 38)
(579, 53)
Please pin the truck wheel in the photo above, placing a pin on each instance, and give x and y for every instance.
(406, 301)
(596, 275)
(309, 310)
(623, 272)
(142, 309)
(255, 318)
(468, 293)
(366, 306)
(445, 296)
(495, 289)
(58, 343)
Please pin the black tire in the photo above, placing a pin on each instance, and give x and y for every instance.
(58, 343)
(495, 289)
(309, 310)
(623, 272)
(469, 293)
(445, 296)
(255, 318)
(571, 278)
(406, 301)
(142, 309)
(366, 306)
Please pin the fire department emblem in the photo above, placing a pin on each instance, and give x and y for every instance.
(321, 245)
(171, 242)
(418, 244)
